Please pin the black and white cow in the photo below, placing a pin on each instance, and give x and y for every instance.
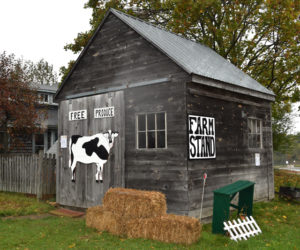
(91, 149)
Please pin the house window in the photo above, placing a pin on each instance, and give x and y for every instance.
(2, 141)
(44, 98)
(39, 142)
(254, 133)
(151, 130)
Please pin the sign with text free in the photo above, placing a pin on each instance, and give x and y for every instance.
(77, 115)
(104, 112)
(202, 144)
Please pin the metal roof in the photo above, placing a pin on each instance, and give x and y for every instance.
(45, 87)
(193, 57)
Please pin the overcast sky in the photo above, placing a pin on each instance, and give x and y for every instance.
(37, 29)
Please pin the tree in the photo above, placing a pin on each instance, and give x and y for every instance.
(19, 112)
(42, 73)
(261, 37)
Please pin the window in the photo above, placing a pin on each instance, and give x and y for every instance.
(254, 133)
(44, 98)
(151, 130)
(2, 141)
(39, 142)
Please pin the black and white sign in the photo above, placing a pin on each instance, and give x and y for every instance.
(202, 144)
(104, 112)
(77, 115)
(91, 149)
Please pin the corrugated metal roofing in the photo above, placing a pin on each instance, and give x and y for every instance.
(193, 57)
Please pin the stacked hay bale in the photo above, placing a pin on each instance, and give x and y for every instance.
(168, 228)
(141, 214)
(121, 205)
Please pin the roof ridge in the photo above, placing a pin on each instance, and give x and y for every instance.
(163, 29)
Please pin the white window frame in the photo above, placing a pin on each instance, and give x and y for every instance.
(42, 97)
(146, 130)
(251, 119)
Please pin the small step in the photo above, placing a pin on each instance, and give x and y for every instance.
(67, 213)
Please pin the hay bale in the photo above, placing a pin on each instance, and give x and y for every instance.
(132, 204)
(103, 220)
(91, 214)
(168, 228)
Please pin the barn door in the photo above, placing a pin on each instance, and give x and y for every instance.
(85, 191)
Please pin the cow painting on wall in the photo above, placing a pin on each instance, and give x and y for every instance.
(91, 149)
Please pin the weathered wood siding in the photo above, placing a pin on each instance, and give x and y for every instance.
(117, 56)
(234, 159)
(163, 170)
(28, 173)
(85, 191)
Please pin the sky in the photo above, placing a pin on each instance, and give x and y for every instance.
(36, 29)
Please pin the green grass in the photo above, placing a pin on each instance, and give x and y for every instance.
(282, 178)
(13, 204)
(278, 219)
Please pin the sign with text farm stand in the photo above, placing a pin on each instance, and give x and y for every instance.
(104, 112)
(77, 115)
(202, 143)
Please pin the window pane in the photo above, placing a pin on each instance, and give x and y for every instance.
(151, 121)
(251, 141)
(161, 142)
(49, 139)
(39, 139)
(142, 123)
(258, 141)
(151, 139)
(258, 126)
(249, 126)
(253, 125)
(160, 120)
(142, 140)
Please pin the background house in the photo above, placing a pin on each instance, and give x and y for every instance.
(34, 143)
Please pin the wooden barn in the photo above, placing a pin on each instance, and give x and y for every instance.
(178, 110)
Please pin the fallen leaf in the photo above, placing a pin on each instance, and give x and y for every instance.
(72, 245)
(284, 217)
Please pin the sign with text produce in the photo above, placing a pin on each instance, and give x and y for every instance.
(104, 112)
(202, 144)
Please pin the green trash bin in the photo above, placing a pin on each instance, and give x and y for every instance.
(222, 198)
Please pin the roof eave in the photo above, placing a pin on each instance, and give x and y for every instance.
(81, 55)
(230, 87)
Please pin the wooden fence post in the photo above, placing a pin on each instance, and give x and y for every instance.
(39, 176)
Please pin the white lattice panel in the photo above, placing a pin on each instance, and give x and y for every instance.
(244, 229)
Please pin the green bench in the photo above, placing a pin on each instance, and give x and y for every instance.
(222, 203)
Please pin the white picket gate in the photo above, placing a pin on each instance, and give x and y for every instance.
(242, 229)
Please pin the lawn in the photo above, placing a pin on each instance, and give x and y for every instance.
(12, 204)
(279, 221)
